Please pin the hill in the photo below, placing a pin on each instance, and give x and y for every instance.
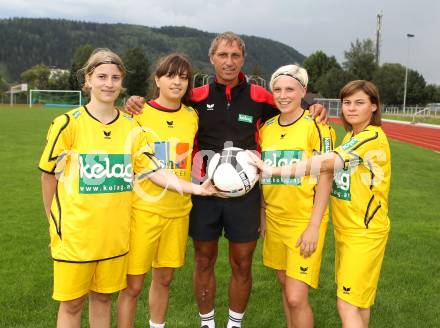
(27, 42)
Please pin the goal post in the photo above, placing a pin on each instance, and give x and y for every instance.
(333, 105)
(55, 98)
(15, 89)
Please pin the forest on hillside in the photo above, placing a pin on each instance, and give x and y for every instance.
(27, 42)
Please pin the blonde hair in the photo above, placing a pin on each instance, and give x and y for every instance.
(229, 37)
(98, 57)
(294, 71)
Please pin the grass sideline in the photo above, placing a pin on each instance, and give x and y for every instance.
(408, 288)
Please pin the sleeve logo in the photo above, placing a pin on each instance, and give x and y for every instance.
(349, 144)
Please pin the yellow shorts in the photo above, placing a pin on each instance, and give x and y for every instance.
(73, 280)
(280, 253)
(358, 262)
(156, 241)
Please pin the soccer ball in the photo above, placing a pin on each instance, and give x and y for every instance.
(231, 172)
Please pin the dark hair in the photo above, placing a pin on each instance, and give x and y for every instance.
(229, 37)
(172, 65)
(373, 93)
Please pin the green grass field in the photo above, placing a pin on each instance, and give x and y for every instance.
(409, 287)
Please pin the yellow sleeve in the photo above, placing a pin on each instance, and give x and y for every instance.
(323, 138)
(58, 141)
(144, 161)
(353, 151)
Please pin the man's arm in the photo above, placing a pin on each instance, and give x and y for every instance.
(134, 105)
(320, 111)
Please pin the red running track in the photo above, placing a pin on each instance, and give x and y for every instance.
(417, 135)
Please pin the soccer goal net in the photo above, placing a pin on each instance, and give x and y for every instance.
(333, 105)
(55, 98)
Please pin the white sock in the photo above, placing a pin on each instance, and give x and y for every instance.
(156, 325)
(234, 319)
(207, 320)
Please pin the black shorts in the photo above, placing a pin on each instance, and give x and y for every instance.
(239, 217)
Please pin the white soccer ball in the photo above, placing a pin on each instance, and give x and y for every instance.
(231, 172)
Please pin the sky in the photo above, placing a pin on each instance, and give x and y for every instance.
(308, 26)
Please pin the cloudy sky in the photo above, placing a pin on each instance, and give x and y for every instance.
(328, 25)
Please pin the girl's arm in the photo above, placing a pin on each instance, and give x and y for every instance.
(308, 240)
(167, 179)
(48, 187)
(315, 165)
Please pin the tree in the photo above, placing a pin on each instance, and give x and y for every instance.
(317, 65)
(361, 59)
(137, 66)
(59, 80)
(80, 58)
(257, 70)
(389, 78)
(433, 93)
(3, 87)
(3, 84)
(37, 77)
(331, 82)
(416, 91)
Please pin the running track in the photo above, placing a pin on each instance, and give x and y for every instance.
(417, 135)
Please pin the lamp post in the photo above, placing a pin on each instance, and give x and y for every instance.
(408, 36)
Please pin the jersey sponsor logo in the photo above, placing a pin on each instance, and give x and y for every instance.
(245, 118)
(341, 184)
(280, 158)
(349, 144)
(172, 155)
(209, 106)
(105, 173)
(127, 116)
(76, 114)
(170, 124)
(269, 122)
(327, 145)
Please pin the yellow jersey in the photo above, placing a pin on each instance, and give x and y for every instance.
(360, 189)
(171, 136)
(292, 198)
(94, 163)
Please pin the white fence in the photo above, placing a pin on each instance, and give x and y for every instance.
(334, 107)
(411, 111)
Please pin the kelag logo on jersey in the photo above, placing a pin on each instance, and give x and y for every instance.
(104, 173)
(172, 155)
(281, 158)
(341, 184)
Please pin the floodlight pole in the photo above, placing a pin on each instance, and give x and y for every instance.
(408, 36)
